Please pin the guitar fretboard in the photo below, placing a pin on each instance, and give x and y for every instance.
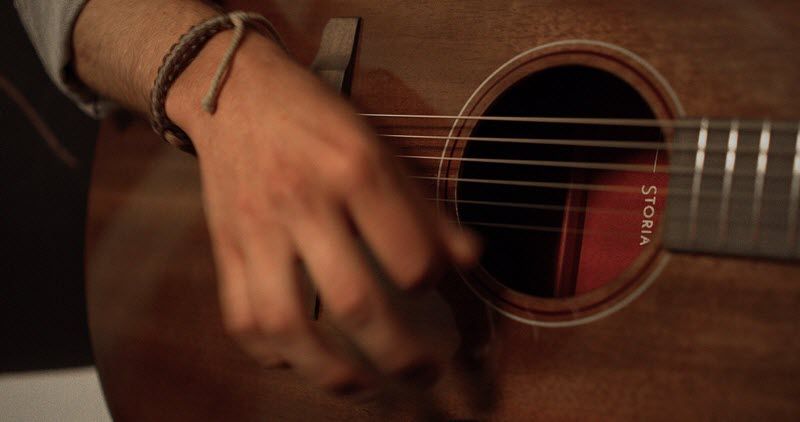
(735, 189)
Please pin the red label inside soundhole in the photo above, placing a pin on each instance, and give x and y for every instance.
(619, 226)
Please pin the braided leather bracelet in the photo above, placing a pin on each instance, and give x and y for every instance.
(181, 55)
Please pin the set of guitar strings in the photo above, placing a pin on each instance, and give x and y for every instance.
(781, 151)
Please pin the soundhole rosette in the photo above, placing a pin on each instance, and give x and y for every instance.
(579, 238)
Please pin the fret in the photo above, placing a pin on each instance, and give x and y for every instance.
(699, 163)
(794, 196)
(761, 172)
(727, 182)
(743, 195)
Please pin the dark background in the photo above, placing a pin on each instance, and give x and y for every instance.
(42, 216)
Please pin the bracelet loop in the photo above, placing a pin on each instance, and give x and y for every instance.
(181, 55)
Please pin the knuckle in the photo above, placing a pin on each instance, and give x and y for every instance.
(294, 182)
(353, 307)
(246, 208)
(291, 187)
(279, 324)
(356, 166)
(239, 325)
(417, 270)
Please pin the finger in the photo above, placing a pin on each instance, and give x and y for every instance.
(236, 309)
(392, 219)
(352, 295)
(275, 293)
(463, 246)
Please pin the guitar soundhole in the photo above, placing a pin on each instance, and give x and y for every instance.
(577, 228)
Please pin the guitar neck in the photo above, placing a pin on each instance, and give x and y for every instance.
(735, 189)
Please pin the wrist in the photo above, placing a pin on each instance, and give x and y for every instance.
(183, 101)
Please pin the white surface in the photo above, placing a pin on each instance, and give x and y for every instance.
(63, 395)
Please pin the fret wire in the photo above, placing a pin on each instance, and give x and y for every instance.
(794, 199)
(761, 171)
(730, 164)
(699, 163)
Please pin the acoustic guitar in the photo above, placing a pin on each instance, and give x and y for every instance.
(633, 168)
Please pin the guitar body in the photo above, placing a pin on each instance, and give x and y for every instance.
(670, 336)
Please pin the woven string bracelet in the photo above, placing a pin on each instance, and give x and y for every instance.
(181, 55)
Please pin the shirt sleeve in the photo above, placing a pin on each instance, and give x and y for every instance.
(49, 24)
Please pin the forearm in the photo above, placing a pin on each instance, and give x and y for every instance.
(119, 44)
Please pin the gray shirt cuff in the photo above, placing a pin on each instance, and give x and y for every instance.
(49, 24)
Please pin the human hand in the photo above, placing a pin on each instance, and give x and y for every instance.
(291, 174)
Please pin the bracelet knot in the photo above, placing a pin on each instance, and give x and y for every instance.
(181, 55)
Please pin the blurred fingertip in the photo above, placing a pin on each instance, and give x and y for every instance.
(466, 247)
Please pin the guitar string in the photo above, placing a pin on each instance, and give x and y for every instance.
(553, 229)
(539, 228)
(535, 184)
(664, 123)
(608, 233)
(584, 165)
(631, 145)
(594, 187)
(544, 207)
(633, 168)
(535, 206)
(550, 229)
(590, 165)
